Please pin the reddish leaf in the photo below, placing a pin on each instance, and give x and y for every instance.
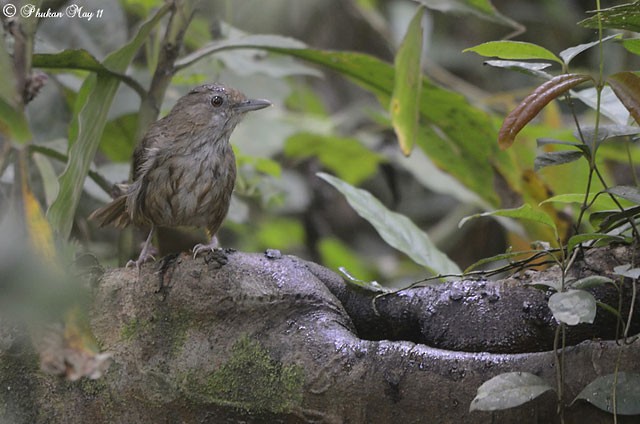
(533, 103)
(626, 85)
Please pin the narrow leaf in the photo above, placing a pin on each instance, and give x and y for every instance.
(627, 393)
(533, 104)
(581, 238)
(82, 60)
(529, 68)
(396, 229)
(556, 158)
(626, 86)
(591, 281)
(405, 99)
(625, 17)
(568, 54)
(86, 129)
(508, 390)
(523, 212)
(513, 50)
(40, 234)
(573, 307)
(480, 8)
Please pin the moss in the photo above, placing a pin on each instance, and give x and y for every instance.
(132, 328)
(180, 322)
(253, 381)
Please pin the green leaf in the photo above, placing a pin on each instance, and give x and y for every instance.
(523, 212)
(86, 129)
(508, 390)
(556, 158)
(496, 258)
(482, 9)
(581, 238)
(13, 123)
(336, 153)
(372, 286)
(118, 138)
(534, 103)
(573, 307)
(632, 45)
(625, 17)
(595, 200)
(627, 393)
(591, 281)
(82, 60)
(405, 100)
(396, 229)
(626, 86)
(455, 135)
(513, 50)
(339, 256)
(568, 54)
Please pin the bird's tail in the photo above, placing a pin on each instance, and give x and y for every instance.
(114, 213)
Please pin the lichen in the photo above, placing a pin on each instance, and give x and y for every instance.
(251, 380)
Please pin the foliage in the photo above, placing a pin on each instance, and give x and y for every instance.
(112, 96)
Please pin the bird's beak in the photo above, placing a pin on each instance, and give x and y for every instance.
(252, 104)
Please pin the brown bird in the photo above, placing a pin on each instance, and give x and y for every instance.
(184, 170)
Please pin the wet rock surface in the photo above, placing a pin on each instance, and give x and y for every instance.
(271, 338)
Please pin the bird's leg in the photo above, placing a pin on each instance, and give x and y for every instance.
(212, 245)
(144, 254)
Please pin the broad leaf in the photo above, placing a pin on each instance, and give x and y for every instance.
(607, 103)
(95, 99)
(405, 100)
(629, 193)
(626, 85)
(513, 50)
(336, 153)
(457, 136)
(508, 390)
(573, 307)
(627, 271)
(533, 104)
(605, 132)
(396, 229)
(632, 45)
(600, 392)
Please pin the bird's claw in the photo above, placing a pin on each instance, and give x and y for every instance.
(199, 248)
(138, 263)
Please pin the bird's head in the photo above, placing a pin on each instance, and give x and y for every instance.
(215, 107)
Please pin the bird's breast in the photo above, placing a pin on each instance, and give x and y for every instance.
(192, 188)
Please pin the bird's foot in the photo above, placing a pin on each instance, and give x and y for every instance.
(138, 262)
(210, 247)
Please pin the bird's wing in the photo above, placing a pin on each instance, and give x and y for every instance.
(146, 153)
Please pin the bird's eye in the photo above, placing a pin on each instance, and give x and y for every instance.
(217, 101)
